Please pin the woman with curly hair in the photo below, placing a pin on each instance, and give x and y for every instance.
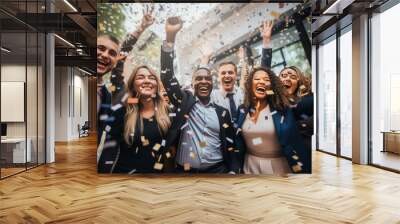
(267, 135)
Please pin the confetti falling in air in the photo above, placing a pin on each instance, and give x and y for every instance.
(202, 144)
(156, 147)
(133, 100)
(186, 166)
(270, 92)
(225, 125)
(257, 141)
(168, 155)
(158, 166)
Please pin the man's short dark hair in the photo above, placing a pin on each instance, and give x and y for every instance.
(228, 63)
(110, 37)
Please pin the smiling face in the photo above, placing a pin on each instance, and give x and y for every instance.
(290, 80)
(107, 52)
(202, 84)
(145, 83)
(227, 76)
(260, 84)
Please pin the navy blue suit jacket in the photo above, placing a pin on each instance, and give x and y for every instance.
(290, 140)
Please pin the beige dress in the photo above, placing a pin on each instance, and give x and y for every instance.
(263, 154)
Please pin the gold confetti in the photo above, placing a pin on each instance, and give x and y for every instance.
(192, 155)
(230, 149)
(186, 166)
(202, 144)
(145, 142)
(158, 166)
(168, 155)
(275, 14)
(156, 147)
(225, 125)
(302, 87)
(296, 168)
(270, 92)
(295, 157)
(133, 100)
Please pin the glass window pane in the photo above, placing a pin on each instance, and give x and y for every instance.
(346, 94)
(385, 89)
(327, 97)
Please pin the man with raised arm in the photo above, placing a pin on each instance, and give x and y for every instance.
(204, 129)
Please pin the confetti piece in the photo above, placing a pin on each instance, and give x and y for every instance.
(224, 113)
(229, 140)
(110, 144)
(152, 154)
(295, 157)
(168, 155)
(172, 114)
(145, 142)
(302, 87)
(304, 125)
(137, 150)
(108, 128)
(225, 125)
(273, 112)
(156, 147)
(230, 149)
(282, 119)
(186, 166)
(174, 83)
(109, 162)
(186, 116)
(202, 144)
(163, 142)
(133, 100)
(270, 92)
(296, 168)
(132, 171)
(158, 166)
(116, 107)
(242, 111)
(257, 141)
(275, 14)
(103, 117)
(185, 125)
(192, 155)
(238, 131)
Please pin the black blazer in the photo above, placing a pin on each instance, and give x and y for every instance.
(120, 157)
(290, 140)
(184, 100)
(104, 111)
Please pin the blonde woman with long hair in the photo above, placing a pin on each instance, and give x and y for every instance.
(140, 125)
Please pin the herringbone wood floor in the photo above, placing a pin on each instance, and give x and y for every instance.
(70, 191)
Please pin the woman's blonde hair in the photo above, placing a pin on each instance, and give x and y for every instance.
(133, 110)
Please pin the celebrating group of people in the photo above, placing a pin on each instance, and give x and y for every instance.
(263, 126)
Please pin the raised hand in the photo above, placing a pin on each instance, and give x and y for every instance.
(266, 32)
(172, 27)
(148, 18)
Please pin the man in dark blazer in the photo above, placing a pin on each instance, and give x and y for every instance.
(203, 130)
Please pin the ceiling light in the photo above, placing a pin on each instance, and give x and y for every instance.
(5, 49)
(70, 5)
(64, 40)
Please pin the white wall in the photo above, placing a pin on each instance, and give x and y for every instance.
(71, 93)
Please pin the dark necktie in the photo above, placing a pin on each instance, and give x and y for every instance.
(232, 105)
